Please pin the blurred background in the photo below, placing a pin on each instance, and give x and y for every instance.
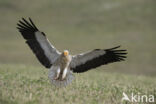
(82, 25)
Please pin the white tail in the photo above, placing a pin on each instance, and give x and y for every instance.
(60, 83)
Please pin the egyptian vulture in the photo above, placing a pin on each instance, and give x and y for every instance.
(62, 65)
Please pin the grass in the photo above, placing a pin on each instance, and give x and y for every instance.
(79, 26)
(21, 84)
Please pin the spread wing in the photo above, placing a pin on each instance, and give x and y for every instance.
(86, 61)
(37, 41)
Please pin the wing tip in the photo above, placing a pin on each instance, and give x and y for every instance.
(115, 47)
(118, 55)
(23, 24)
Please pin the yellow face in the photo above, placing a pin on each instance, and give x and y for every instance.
(66, 53)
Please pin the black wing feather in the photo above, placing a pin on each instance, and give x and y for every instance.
(28, 30)
(110, 56)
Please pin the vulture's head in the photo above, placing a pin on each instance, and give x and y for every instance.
(65, 53)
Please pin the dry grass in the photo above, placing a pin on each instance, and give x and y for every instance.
(30, 85)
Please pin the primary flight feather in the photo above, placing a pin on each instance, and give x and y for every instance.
(62, 64)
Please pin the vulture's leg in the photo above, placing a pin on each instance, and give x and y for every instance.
(64, 73)
(57, 73)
